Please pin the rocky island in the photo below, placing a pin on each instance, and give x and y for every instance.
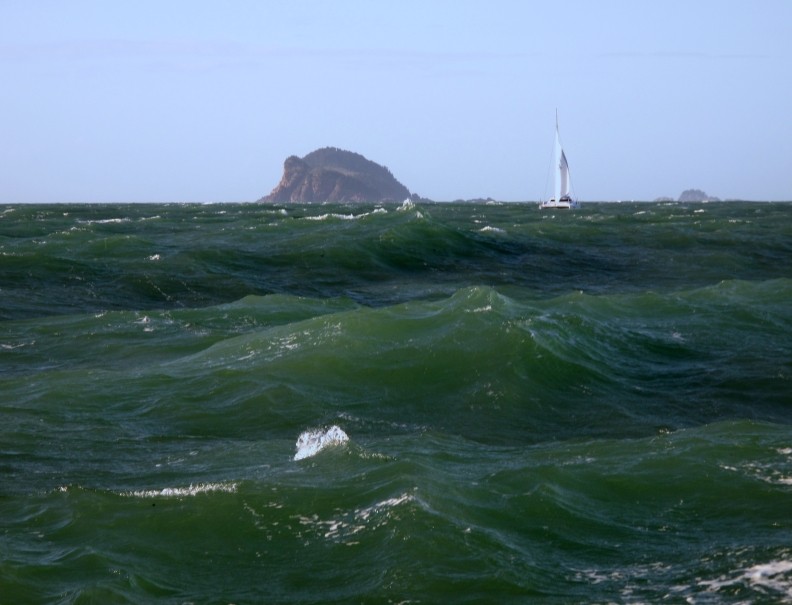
(696, 195)
(690, 195)
(334, 175)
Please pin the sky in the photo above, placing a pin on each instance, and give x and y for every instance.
(197, 101)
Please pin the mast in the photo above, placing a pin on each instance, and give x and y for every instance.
(559, 161)
(562, 167)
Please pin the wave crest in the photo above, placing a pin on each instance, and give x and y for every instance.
(313, 441)
(182, 492)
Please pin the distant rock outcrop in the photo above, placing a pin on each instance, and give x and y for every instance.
(335, 175)
(690, 195)
(696, 195)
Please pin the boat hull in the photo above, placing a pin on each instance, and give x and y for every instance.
(558, 205)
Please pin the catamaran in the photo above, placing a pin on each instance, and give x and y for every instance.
(562, 198)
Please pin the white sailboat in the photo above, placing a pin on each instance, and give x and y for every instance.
(562, 198)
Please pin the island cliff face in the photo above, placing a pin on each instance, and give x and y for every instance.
(696, 195)
(690, 195)
(335, 175)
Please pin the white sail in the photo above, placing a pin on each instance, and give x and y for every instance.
(562, 198)
(562, 176)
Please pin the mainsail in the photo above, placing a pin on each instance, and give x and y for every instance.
(562, 174)
(563, 197)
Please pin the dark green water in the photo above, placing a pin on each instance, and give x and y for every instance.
(585, 407)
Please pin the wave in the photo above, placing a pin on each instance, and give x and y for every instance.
(595, 504)
(183, 492)
(493, 404)
(773, 578)
(313, 441)
(480, 362)
(668, 516)
(344, 217)
(81, 258)
(347, 526)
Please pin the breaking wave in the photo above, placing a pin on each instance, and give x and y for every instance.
(313, 441)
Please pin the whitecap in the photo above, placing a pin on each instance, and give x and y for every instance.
(182, 492)
(107, 221)
(485, 309)
(351, 523)
(11, 347)
(345, 217)
(313, 441)
(490, 228)
(365, 513)
(326, 216)
(772, 577)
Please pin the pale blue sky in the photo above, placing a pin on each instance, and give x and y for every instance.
(160, 101)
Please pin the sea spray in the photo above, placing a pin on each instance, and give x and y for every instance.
(313, 441)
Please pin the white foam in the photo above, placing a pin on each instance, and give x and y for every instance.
(326, 216)
(485, 309)
(105, 221)
(313, 441)
(182, 492)
(769, 473)
(16, 346)
(773, 576)
(758, 573)
(345, 217)
(352, 523)
(365, 513)
(489, 228)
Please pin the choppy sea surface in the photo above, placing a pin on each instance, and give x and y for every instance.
(401, 403)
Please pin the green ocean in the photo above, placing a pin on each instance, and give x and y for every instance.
(406, 403)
